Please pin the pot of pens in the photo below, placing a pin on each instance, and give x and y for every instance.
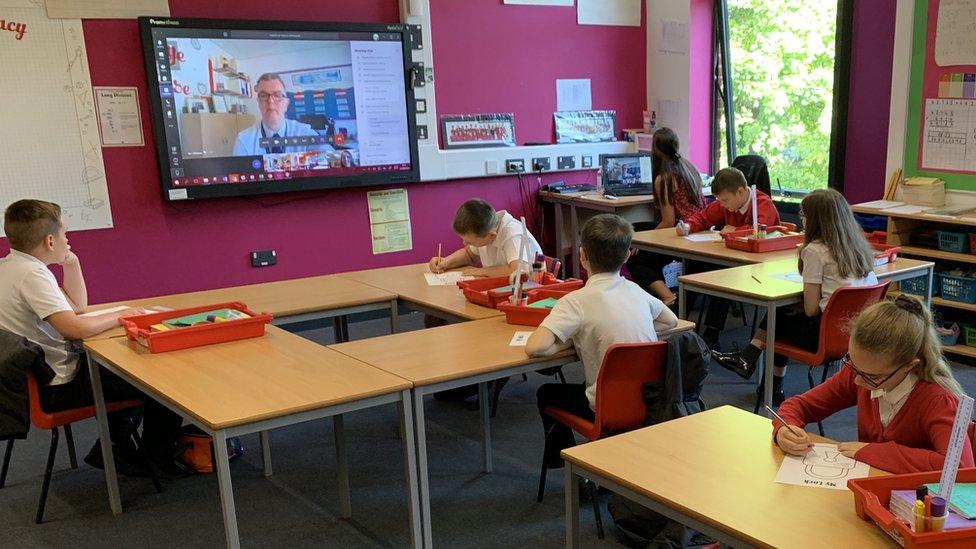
(194, 326)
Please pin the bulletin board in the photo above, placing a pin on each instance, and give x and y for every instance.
(941, 127)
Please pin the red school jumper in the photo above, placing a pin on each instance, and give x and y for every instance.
(916, 438)
(716, 214)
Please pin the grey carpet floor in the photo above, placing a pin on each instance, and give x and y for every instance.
(298, 505)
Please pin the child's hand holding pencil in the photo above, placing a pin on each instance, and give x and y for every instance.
(790, 439)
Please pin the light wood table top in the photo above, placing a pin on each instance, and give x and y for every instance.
(594, 198)
(451, 352)
(770, 287)
(968, 219)
(718, 467)
(281, 298)
(667, 240)
(407, 281)
(240, 382)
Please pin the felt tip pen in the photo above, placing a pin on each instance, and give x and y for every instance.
(927, 502)
(939, 514)
(919, 516)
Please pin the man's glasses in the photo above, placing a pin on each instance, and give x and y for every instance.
(870, 379)
(276, 97)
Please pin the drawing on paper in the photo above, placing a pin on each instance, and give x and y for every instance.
(828, 464)
(823, 467)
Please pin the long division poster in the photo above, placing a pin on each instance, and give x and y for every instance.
(949, 135)
(51, 148)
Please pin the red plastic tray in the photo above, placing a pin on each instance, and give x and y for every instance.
(734, 240)
(530, 316)
(884, 253)
(877, 237)
(137, 328)
(871, 496)
(479, 291)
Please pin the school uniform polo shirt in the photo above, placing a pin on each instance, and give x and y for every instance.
(609, 309)
(29, 294)
(819, 267)
(507, 245)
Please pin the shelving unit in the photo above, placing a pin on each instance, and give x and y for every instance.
(901, 226)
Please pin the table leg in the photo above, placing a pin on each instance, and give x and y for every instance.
(572, 507)
(405, 410)
(421, 434)
(265, 453)
(768, 356)
(682, 301)
(557, 209)
(104, 437)
(342, 467)
(574, 236)
(928, 290)
(226, 490)
(485, 406)
(394, 317)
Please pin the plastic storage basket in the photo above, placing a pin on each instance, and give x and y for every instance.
(530, 316)
(969, 335)
(486, 291)
(958, 288)
(137, 328)
(950, 241)
(916, 286)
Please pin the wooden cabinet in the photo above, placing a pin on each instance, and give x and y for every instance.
(211, 134)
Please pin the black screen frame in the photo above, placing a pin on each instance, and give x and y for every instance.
(325, 182)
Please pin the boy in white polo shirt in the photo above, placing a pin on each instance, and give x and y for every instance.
(32, 305)
(608, 310)
(491, 238)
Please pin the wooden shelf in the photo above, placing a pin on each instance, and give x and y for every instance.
(944, 302)
(971, 221)
(938, 254)
(961, 350)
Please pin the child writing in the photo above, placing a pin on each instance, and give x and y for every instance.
(609, 309)
(677, 190)
(834, 254)
(492, 238)
(732, 208)
(32, 305)
(904, 391)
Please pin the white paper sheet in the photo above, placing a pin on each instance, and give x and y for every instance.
(573, 94)
(955, 33)
(449, 278)
(704, 237)
(674, 37)
(790, 277)
(110, 310)
(823, 467)
(609, 12)
(880, 204)
(519, 339)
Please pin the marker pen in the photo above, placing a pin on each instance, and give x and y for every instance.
(919, 517)
(939, 513)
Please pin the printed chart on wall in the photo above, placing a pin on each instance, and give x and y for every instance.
(389, 221)
(949, 135)
(51, 147)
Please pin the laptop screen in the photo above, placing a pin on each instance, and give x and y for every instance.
(626, 171)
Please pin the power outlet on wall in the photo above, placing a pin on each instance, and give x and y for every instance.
(565, 162)
(587, 161)
(263, 258)
(541, 164)
(515, 165)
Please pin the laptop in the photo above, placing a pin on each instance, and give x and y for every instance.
(627, 174)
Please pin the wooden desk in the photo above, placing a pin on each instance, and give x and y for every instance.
(713, 471)
(290, 301)
(771, 292)
(668, 242)
(453, 356)
(407, 281)
(249, 386)
(581, 207)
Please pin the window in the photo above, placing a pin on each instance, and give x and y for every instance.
(788, 92)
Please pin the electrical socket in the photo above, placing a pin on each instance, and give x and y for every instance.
(515, 165)
(541, 164)
(587, 161)
(264, 258)
(565, 162)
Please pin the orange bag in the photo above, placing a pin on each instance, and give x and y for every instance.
(195, 449)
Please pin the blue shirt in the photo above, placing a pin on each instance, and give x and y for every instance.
(249, 141)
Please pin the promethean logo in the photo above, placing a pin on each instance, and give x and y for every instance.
(169, 22)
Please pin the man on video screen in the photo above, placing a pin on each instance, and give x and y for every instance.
(273, 103)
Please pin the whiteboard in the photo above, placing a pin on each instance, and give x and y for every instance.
(49, 132)
(949, 135)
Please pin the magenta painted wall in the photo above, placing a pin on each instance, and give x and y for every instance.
(870, 99)
(700, 85)
(157, 248)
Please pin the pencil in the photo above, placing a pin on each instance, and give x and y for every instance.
(756, 279)
(438, 252)
(781, 420)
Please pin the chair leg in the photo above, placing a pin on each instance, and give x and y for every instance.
(699, 327)
(755, 320)
(762, 385)
(810, 376)
(525, 377)
(149, 463)
(595, 496)
(39, 518)
(69, 441)
(826, 372)
(545, 467)
(6, 462)
(562, 378)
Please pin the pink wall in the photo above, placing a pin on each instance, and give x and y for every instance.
(872, 51)
(157, 248)
(700, 85)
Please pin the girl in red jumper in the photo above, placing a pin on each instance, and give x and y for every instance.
(904, 391)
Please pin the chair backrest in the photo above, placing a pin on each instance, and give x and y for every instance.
(38, 416)
(841, 310)
(754, 168)
(620, 384)
(553, 265)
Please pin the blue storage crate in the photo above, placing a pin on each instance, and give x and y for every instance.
(916, 286)
(958, 288)
(872, 222)
(950, 241)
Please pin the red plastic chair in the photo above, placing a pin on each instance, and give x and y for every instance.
(553, 265)
(620, 405)
(53, 420)
(842, 308)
